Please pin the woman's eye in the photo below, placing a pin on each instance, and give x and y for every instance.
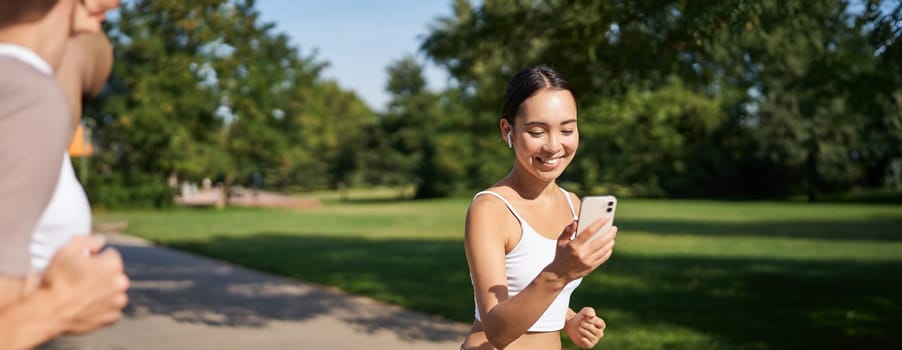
(536, 133)
(567, 132)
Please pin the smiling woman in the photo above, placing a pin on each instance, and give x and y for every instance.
(523, 264)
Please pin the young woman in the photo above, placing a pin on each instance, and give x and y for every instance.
(524, 258)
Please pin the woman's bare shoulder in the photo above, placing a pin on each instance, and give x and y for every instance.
(489, 212)
(574, 198)
(487, 201)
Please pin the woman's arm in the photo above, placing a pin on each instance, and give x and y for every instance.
(506, 318)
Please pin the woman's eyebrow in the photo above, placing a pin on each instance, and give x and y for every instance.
(541, 123)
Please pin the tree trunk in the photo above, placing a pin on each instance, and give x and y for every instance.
(811, 171)
(223, 199)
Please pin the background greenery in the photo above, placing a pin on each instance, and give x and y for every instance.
(686, 274)
(734, 99)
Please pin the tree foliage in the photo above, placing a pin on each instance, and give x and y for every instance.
(208, 90)
(738, 98)
(734, 98)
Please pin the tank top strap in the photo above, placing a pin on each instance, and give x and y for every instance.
(570, 203)
(508, 204)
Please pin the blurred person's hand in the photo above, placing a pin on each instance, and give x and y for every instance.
(90, 284)
(89, 15)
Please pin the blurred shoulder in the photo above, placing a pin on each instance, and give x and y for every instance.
(26, 92)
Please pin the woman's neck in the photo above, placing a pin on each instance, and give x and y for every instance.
(528, 186)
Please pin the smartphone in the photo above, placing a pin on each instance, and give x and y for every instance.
(593, 208)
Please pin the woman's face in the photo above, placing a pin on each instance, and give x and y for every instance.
(544, 135)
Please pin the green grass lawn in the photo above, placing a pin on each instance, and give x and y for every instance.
(685, 274)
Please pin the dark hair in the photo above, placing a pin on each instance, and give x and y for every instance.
(526, 83)
(19, 11)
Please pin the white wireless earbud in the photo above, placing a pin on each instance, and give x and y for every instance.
(509, 145)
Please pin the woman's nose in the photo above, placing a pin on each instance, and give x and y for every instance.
(551, 143)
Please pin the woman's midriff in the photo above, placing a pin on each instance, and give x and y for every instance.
(476, 340)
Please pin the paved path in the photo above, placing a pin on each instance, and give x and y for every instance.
(182, 301)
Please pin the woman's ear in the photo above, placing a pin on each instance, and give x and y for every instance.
(507, 130)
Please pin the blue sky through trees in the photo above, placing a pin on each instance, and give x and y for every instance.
(359, 39)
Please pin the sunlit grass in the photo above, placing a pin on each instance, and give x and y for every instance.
(685, 275)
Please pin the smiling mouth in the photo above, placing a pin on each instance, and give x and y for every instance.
(549, 161)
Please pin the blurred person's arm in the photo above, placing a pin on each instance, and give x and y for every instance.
(82, 290)
(90, 14)
(88, 56)
(32, 320)
(83, 71)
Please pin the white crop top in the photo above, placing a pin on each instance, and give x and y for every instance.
(67, 214)
(524, 263)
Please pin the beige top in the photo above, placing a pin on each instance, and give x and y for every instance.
(34, 127)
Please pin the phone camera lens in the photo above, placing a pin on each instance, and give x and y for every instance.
(611, 203)
(610, 209)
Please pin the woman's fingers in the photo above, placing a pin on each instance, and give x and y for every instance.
(567, 233)
(606, 237)
(600, 255)
(587, 233)
(586, 332)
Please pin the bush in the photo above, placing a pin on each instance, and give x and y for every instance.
(117, 191)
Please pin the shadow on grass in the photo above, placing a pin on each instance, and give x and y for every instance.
(875, 229)
(196, 290)
(867, 197)
(375, 200)
(739, 302)
(753, 302)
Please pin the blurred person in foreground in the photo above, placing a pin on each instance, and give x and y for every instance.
(83, 71)
(83, 287)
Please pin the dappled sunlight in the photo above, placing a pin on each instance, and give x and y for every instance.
(711, 281)
(720, 302)
(194, 290)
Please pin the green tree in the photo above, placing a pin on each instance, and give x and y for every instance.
(425, 147)
(763, 98)
(208, 90)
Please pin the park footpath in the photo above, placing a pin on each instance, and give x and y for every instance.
(183, 301)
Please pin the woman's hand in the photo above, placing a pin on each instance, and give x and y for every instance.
(585, 328)
(578, 257)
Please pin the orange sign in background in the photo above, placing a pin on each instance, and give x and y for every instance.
(81, 144)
